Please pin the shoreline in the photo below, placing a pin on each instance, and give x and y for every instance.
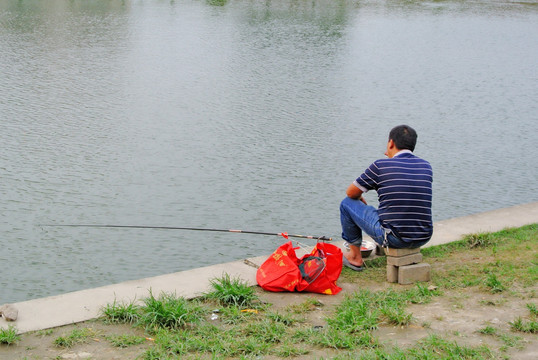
(83, 305)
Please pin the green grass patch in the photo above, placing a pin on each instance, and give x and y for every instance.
(306, 306)
(243, 327)
(435, 347)
(9, 336)
(494, 262)
(229, 291)
(168, 311)
(76, 336)
(529, 326)
(125, 340)
(488, 330)
(494, 284)
(533, 310)
(510, 341)
(128, 313)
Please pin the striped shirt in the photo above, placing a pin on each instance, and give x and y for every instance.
(404, 187)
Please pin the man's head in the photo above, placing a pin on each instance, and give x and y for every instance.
(401, 137)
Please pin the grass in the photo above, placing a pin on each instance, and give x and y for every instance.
(228, 291)
(9, 336)
(168, 311)
(125, 340)
(127, 313)
(230, 321)
(488, 330)
(244, 328)
(76, 336)
(495, 261)
(527, 326)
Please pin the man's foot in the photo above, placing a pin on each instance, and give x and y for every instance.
(346, 263)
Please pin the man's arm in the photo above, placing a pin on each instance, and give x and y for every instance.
(355, 193)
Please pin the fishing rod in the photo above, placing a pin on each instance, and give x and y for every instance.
(283, 234)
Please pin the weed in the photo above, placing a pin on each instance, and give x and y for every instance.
(532, 308)
(232, 291)
(121, 313)
(285, 319)
(266, 330)
(289, 350)
(125, 340)
(77, 336)
(233, 315)
(9, 336)
(168, 311)
(480, 240)
(46, 332)
(520, 325)
(488, 330)
(421, 294)
(494, 284)
(510, 341)
(308, 305)
(426, 324)
(435, 347)
(397, 316)
(356, 314)
(379, 262)
(337, 338)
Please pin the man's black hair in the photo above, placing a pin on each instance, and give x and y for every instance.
(404, 137)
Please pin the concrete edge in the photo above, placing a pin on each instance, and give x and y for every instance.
(78, 306)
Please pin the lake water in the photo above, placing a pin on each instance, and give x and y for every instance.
(243, 114)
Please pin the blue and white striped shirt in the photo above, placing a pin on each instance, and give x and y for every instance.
(404, 187)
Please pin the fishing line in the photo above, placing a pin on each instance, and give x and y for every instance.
(283, 234)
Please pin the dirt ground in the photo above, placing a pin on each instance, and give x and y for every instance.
(456, 315)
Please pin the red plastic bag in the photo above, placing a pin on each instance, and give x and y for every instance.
(315, 272)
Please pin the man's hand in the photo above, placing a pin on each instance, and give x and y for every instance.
(354, 192)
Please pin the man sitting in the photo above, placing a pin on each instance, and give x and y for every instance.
(403, 183)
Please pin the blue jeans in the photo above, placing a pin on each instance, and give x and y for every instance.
(356, 217)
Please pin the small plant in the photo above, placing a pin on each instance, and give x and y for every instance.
(266, 330)
(488, 330)
(46, 332)
(421, 294)
(121, 313)
(123, 341)
(233, 315)
(9, 336)
(285, 319)
(397, 316)
(510, 341)
(168, 311)
(480, 240)
(532, 308)
(306, 306)
(530, 326)
(494, 284)
(435, 347)
(77, 336)
(232, 291)
(289, 350)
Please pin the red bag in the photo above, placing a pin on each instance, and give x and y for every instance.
(315, 272)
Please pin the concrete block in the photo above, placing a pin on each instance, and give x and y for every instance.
(404, 260)
(392, 273)
(400, 252)
(410, 274)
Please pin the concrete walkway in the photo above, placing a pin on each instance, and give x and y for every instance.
(84, 305)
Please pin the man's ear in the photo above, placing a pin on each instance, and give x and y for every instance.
(391, 144)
